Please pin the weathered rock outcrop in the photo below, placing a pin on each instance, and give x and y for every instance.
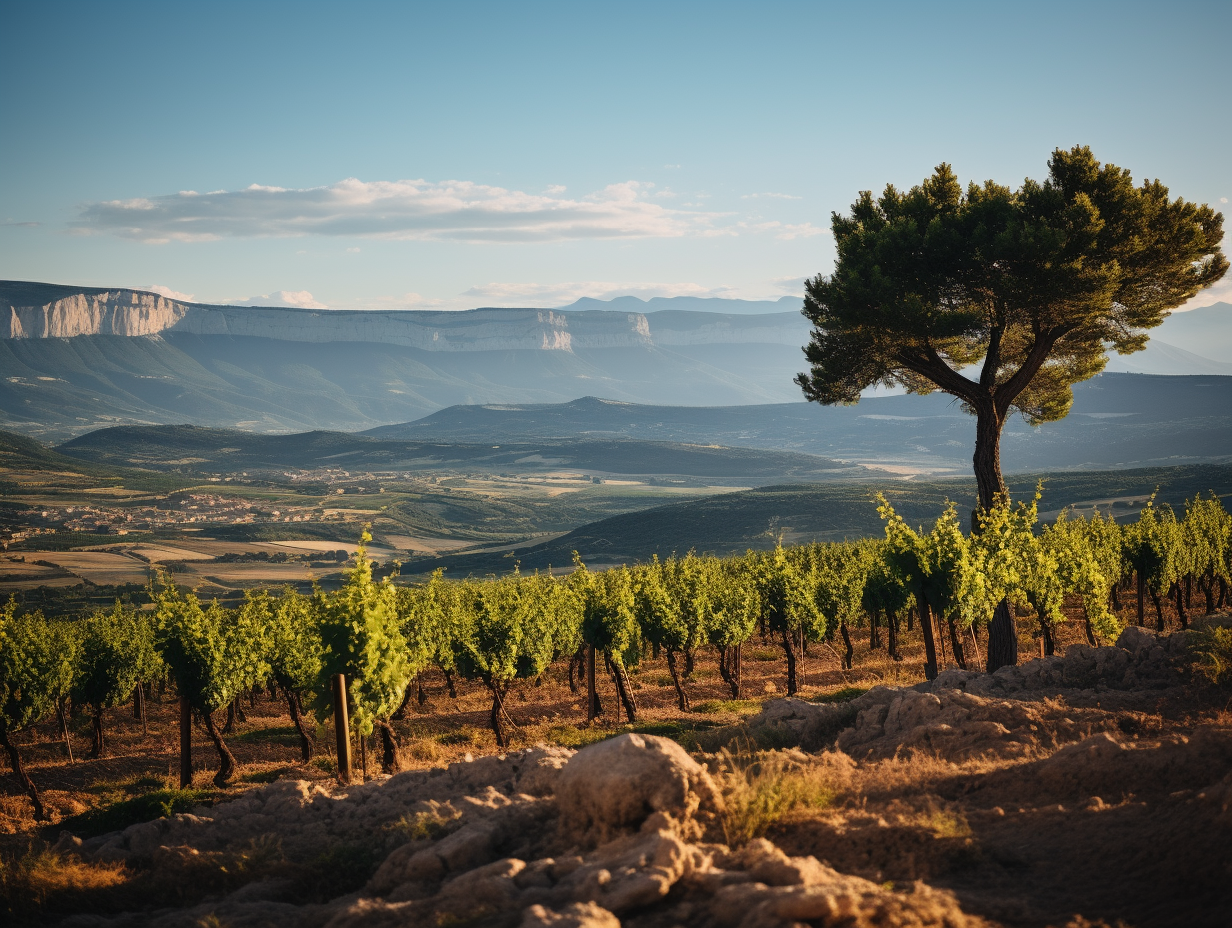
(512, 849)
(1007, 713)
(138, 313)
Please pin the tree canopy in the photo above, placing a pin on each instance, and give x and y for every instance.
(1003, 298)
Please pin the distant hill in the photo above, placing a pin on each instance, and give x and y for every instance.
(1118, 420)
(734, 522)
(203, 450)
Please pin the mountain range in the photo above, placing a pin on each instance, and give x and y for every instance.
(75, 359)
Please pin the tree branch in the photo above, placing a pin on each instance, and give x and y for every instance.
(935, 369)
(1004, 395)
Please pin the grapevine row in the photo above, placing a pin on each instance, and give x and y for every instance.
(495, 632)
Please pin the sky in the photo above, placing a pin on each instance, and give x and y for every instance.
(452, 155)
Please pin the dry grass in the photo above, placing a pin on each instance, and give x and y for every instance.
(762, 788)
(32, 879)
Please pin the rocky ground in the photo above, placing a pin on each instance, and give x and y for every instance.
(1093, 788)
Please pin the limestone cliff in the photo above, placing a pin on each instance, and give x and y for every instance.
(46, 311)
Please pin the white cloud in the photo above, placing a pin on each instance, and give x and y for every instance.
(299, 299)
(167, 292)
(555, 189)
(458, 211)
(352, 251)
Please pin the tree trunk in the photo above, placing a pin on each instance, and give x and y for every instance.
(874, 630)
(405, 705)
(226, 765)
(450, 684)
(790, 650)
(956, 643)
(496, 718)
(1188, 592)
(688, 664)
(1115, 594)
(19, 772)
(910, 617)
(297, 719)
(729, 668)
(389, 746)
(930, 644)
(421, 695)
(96, 730)
(1159, 611)
(1002, 638)
(1046, 640)
(1180, 606)
(848, 650)
(230, 725)
(594, 708)
(1141, 598)
(62, 718)
(624, 689)
(239, 710)
(1086, 622)
(682, 698)
(1208, 591)
(892, 635)
(1002, 632)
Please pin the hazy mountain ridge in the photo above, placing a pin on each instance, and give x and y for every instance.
(50, 311)
(160, 361)
(1117, 420)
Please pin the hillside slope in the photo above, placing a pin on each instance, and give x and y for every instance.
(196, 449)
(1117, 420)
(732, 522)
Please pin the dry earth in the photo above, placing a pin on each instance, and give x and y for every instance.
(1093, 788)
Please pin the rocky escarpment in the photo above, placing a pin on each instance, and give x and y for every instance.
(42, 311)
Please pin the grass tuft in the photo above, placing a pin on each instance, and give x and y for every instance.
(40, 879)
(764, 787)
(119, 814)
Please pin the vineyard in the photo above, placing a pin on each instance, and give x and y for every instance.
(938, 588)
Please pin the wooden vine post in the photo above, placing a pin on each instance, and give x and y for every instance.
(186, 771)
(342, 728)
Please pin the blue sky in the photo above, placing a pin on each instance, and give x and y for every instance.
(360, 155)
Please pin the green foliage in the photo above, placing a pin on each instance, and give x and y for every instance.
(31, 672)
(507, 629)
(1036, 282)
(361, 636)
(117, 651)
(207, 662)
(609, 613)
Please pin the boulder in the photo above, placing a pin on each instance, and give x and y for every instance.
(611, 788)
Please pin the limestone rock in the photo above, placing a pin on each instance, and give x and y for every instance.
(612, 787)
